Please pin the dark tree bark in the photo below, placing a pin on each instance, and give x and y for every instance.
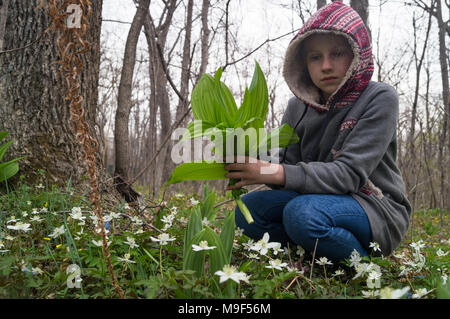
(321, 3)
(32, 92)
(121, 133)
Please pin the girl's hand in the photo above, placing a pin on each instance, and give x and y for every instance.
(252, 171)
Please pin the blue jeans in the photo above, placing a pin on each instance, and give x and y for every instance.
(337, 221)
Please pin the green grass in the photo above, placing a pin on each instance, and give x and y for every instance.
(34, 265)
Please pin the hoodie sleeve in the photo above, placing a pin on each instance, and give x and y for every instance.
(361, 152)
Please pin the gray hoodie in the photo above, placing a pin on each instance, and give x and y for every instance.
(357, 152)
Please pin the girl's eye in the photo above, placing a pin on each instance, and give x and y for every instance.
(314, 57)
(338, 53)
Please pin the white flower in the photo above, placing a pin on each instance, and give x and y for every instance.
(440, 253)
(399, 255)
(419, 293)
(36, 271)
(248, 245)
(126, 259)
(323, 261)
(24, 214)
(404, 271)
(178, 195)
(370, 293)
(375, 246)
(20, 226)
(277, 249)
(365, 268)
(253, 256)
(230, 272)
(444, 279)
(276, 264)
(40, 186)
(183, 220)
(132, 242)
(114, 215)
(203, 245)
(34, 211)
(389, 293)
(36, 219)
(12, 219)
(163, 238)
(238, 232)
(373, 280)
(194, 201)
(263, 244)
(338, 272)
(205, 222)
(77, 214)
(355, 258)
(97, 243)
(136, 220)
(300, 251)
(418, 245)
(57, 231)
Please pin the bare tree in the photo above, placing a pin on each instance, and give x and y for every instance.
(121, 134)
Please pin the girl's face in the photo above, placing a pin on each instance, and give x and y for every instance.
(328, 58)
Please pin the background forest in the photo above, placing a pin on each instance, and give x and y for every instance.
(145, 57)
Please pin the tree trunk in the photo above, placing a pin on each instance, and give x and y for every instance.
(156, 37)
(321, 3)
(3, 17)
(121, 133)
(205, 38)
(32, 92)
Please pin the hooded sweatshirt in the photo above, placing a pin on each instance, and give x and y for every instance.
(355, 151)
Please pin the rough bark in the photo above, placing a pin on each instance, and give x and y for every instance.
(32, 92)
(3, 17)
(124, 104)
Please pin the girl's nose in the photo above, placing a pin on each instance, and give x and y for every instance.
(326, 65)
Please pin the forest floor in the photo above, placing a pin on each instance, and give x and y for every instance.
(181, 248)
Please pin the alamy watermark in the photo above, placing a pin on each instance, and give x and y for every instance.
(74, 278)
(74, 19)
(223, 145)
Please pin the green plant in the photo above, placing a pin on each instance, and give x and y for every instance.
(235, 132)
(10, 168)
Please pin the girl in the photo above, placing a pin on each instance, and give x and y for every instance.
(339, 188)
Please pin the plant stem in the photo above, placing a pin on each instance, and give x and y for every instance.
(160, 261)
(244, 210)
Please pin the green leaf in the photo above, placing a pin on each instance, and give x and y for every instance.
(193, 228)
(212, 101)
(3, 134)
(207, 207)
(256, 99)
(9, 169)
(227, 235)
(197, 171)
(193, 260)
(3, 148)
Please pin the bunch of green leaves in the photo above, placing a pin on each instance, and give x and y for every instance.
(10, 168)
(217, 117)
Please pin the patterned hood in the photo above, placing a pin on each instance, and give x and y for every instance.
(340, 19)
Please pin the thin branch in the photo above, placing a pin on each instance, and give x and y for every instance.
(256, 49)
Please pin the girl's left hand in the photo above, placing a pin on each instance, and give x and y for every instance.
(252, 171)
